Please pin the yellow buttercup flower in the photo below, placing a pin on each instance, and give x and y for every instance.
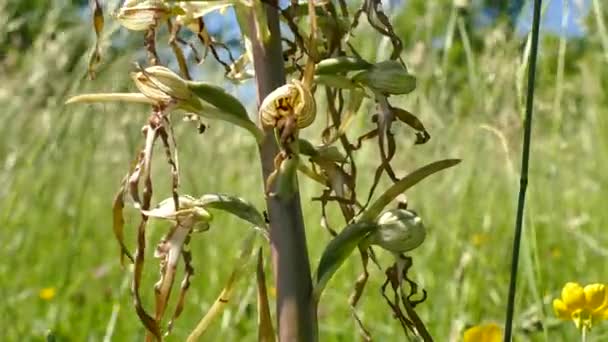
(490, 332)
(47, 293)
(479, 239)
(584, 306)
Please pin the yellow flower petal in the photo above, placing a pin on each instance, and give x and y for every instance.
(490, 332)
(595, 296)
(47, 293)
(573, 296)
(561, 310)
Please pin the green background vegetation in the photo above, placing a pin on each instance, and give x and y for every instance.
(60, 167)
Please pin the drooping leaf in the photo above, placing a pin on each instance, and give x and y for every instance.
(226, 107)
(405, 183)
(218, 97)
(233, 205)
(337, 251)
(422, 135)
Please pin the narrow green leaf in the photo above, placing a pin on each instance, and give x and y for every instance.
(334, 65)
(335, 81)
(387, 77)
(225, 107)
(405, 183)
(233, 205)
(111, 97)
(307, 148)
(337, 251)
(218, 97)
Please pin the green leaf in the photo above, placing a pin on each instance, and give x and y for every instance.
(111, 97)
(387, 77)
(324, 152)
(233, 205)
(227, 107)
(218, 97)
(340, 248)
(405, 183)
(334, 65)
(307, 148)
(335, 81)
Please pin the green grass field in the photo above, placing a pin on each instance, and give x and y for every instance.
(61, 165)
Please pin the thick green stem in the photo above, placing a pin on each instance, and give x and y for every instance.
(296, 313)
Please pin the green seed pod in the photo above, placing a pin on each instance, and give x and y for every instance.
(388, 77)
(141, 16)
(399, 231)
(290, 99)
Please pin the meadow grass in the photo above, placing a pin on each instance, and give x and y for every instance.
(61, 166)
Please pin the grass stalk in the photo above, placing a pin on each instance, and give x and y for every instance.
(523, 183)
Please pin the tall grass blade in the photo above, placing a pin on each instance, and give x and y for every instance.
(523, 183)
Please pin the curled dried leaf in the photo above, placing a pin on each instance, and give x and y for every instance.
(118, 222)
(98, 23)
(422, 135)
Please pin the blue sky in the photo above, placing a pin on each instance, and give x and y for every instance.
(578, 10)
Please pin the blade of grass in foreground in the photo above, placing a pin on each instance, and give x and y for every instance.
(523, 183)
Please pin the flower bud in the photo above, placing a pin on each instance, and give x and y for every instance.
(141, 16)
(388, 77)
(399, 231)
(164, 86)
